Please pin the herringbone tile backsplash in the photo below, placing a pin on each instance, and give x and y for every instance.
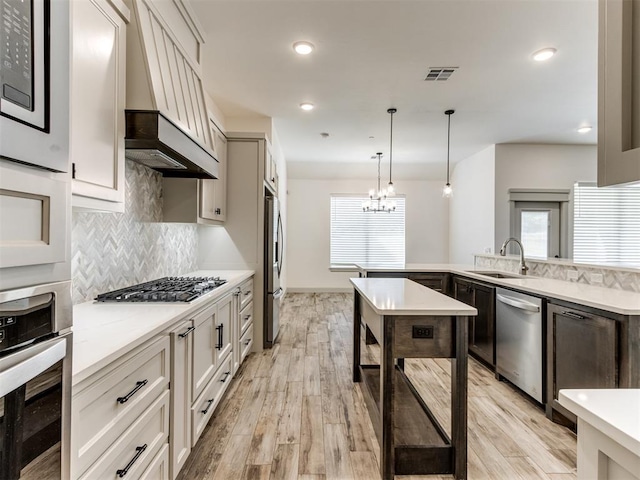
(115, 250)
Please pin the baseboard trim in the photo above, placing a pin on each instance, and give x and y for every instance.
(319, 290)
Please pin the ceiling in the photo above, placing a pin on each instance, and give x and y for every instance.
(371, 55)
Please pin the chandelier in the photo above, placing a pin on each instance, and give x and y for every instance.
(378, 201)
(379, 197)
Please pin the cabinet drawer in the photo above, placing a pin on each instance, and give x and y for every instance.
(150, 431)
(246, 293)
(246, 317)
(159, 467)
(204, 406)
(106, 408)
(246, 342)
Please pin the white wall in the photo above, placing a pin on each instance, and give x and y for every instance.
(307, 261)
(472, 219)
(537, 166)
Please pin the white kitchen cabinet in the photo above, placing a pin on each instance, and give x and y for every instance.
(213, 193)
(270, 168)
(109, 407)
(204, 349)
(618, 92)
(181, 352)
(97, 103)
(191, 200)
(224, 327)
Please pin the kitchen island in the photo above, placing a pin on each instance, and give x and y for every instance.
(409, 320)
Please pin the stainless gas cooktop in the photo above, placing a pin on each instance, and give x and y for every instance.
(166, 289)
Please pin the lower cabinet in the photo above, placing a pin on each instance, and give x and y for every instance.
(582, 352)
(181, 368)
(482, 326)
(121, 408)
(436, 281)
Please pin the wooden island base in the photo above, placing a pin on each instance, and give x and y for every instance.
(422, 447)
(409, 320)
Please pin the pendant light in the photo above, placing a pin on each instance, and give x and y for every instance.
(447, 191)
(378, 197)
(390, 189)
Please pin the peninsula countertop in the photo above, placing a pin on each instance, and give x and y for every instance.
(103, 332)
(399, 296)
(615, 412)
(608, 299)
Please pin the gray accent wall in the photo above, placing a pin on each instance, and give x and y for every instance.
(116, 250)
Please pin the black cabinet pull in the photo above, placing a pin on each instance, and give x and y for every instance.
(247, 342)
(226, 375)
(574, 315)
(125, 470)
(247, 292)
(218, 211)
(186, 332)
(209, 403)
(138, 386)
(219, 329)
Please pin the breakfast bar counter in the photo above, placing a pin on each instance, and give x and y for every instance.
(409, 320)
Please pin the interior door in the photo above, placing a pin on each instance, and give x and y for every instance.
(537, 225)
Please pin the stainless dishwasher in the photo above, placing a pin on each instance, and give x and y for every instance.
(519, 340)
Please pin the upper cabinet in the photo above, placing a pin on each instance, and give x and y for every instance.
(97, 103)
(213, 201)
(190, 200)
(271, 168)
(618, 92)
(163, 65)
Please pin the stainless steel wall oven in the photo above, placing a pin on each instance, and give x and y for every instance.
(35, 382)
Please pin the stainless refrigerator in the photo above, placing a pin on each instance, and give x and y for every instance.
(273, 257)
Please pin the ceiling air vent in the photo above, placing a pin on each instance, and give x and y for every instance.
(439, 73)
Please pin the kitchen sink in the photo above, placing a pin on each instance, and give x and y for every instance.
(497, 274)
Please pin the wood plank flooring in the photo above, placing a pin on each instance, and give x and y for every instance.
(293, 412)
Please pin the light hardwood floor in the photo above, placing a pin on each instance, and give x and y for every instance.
(293, 412)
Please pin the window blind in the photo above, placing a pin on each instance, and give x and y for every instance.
(606, 224)
(366, 237)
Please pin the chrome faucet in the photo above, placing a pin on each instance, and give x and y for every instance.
(503, 252)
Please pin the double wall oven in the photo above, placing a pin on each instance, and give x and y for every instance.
(35, 382)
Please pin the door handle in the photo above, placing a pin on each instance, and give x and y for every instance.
(517, 303)
(17, 369)
(278, 293)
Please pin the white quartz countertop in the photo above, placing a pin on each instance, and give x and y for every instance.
(103, 332)
(609, 299)
(399, 296)
(615, 412)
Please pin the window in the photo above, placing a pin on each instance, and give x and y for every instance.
(534, 232)
(606, 225)
(366, 237)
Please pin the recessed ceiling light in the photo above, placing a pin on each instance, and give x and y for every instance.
(303, 48)
(585, 129)
(307, 106)
(544, 54)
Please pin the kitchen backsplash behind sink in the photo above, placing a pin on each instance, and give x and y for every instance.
(115, 250)
(618, 278)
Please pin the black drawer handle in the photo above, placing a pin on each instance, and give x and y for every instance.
(574, 315)
(247, 317)
(226, 375)
(186, 332)
(247, 292)
(138, 386)
(247, 342)
(125, 470)
(219, 329)
(218, 211)
(209, 403)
